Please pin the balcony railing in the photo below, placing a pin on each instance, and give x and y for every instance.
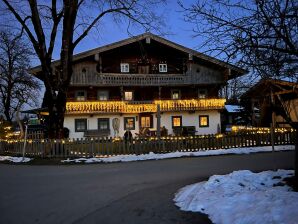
(116, 79)
(139, 107)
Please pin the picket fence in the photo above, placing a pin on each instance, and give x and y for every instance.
(72, 148)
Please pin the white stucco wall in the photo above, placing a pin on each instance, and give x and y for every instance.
(188, 119)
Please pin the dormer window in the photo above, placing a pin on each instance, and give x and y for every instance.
(163, 68)
(81, 95)
(124, 67)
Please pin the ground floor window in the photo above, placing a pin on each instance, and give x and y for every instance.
(129, 123)
(80, 125)
(203, 121)
(146, 122)
(103, 124)
(176, 121)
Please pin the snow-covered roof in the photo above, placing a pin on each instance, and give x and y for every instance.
(233, 108)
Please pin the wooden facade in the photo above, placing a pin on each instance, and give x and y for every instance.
(138, 75)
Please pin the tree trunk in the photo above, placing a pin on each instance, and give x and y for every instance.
(296, 156)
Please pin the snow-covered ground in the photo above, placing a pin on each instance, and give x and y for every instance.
(153, 156)
(15, 159)
(242, 197)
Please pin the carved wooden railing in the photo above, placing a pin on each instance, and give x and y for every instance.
(139, 107)
(116, 79)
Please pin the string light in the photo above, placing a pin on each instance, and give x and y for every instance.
(127, 107)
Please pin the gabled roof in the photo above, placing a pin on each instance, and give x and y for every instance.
(159, 39)
(265, 86)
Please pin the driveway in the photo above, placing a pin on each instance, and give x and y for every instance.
(135, 192)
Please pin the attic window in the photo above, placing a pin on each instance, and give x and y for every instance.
(163, 68)
(124, 67)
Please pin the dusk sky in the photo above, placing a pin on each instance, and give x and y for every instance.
(178, 30)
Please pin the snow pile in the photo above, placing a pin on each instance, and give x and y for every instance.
(15, 159)
(153, 156)
(242, 197)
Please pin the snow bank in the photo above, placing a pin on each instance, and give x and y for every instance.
(15, 159)
(242, 197)
(153, 156)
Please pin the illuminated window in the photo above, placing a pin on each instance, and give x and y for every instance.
(80, 125)
(202, 93)
(128, 95)
(81, 95)
(204, 121)
(176, 121)
(129, 123)
(103, 124)
(176, 94)
(124, 67)
(102, 95)
(146, 122)
(163, 68)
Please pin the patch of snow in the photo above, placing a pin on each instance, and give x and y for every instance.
(242, 197)
(153, 156)
(15, 159)
(233, 108)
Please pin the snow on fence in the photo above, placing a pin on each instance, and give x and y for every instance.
(117, 146)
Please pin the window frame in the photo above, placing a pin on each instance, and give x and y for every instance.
(150, 121)
(204, 126)
(103, 91)
(202, 96)
(103, 119)
(124, 67)
(179, 94)
(132, 95)
(80, 120)
(85, 95)
(173, 117)
(125, 123)
(163, 67)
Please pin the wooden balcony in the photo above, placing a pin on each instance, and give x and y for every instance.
(142, 107)
(129, 79)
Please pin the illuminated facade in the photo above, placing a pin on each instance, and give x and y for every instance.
(131, 84)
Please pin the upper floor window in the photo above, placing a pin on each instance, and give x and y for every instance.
(202, 93)
(102, 95)
(124, 67)
(128, 95)
(81, 95)
(163, 68)
(176, 95)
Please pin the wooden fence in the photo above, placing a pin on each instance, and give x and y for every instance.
(109, 146)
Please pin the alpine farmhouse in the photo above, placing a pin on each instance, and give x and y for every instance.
(142, 82)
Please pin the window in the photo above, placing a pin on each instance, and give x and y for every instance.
(163, 68)
(146, 122)
(102, 95)
(128, 95)
(176, 94)
(81, 95)
(80, 125)
(124, 67)
(202, 93)
(129, 123)
(103, 124)
(203, 121)
(176, 121)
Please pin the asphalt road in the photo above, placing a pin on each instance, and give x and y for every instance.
(120, 193)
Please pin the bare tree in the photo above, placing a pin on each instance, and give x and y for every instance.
(17, 87)
(72, 20)
(259, 34)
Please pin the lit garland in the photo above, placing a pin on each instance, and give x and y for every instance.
(260, 130)
(126, 107)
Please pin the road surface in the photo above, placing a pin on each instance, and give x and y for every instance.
(126, 193)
